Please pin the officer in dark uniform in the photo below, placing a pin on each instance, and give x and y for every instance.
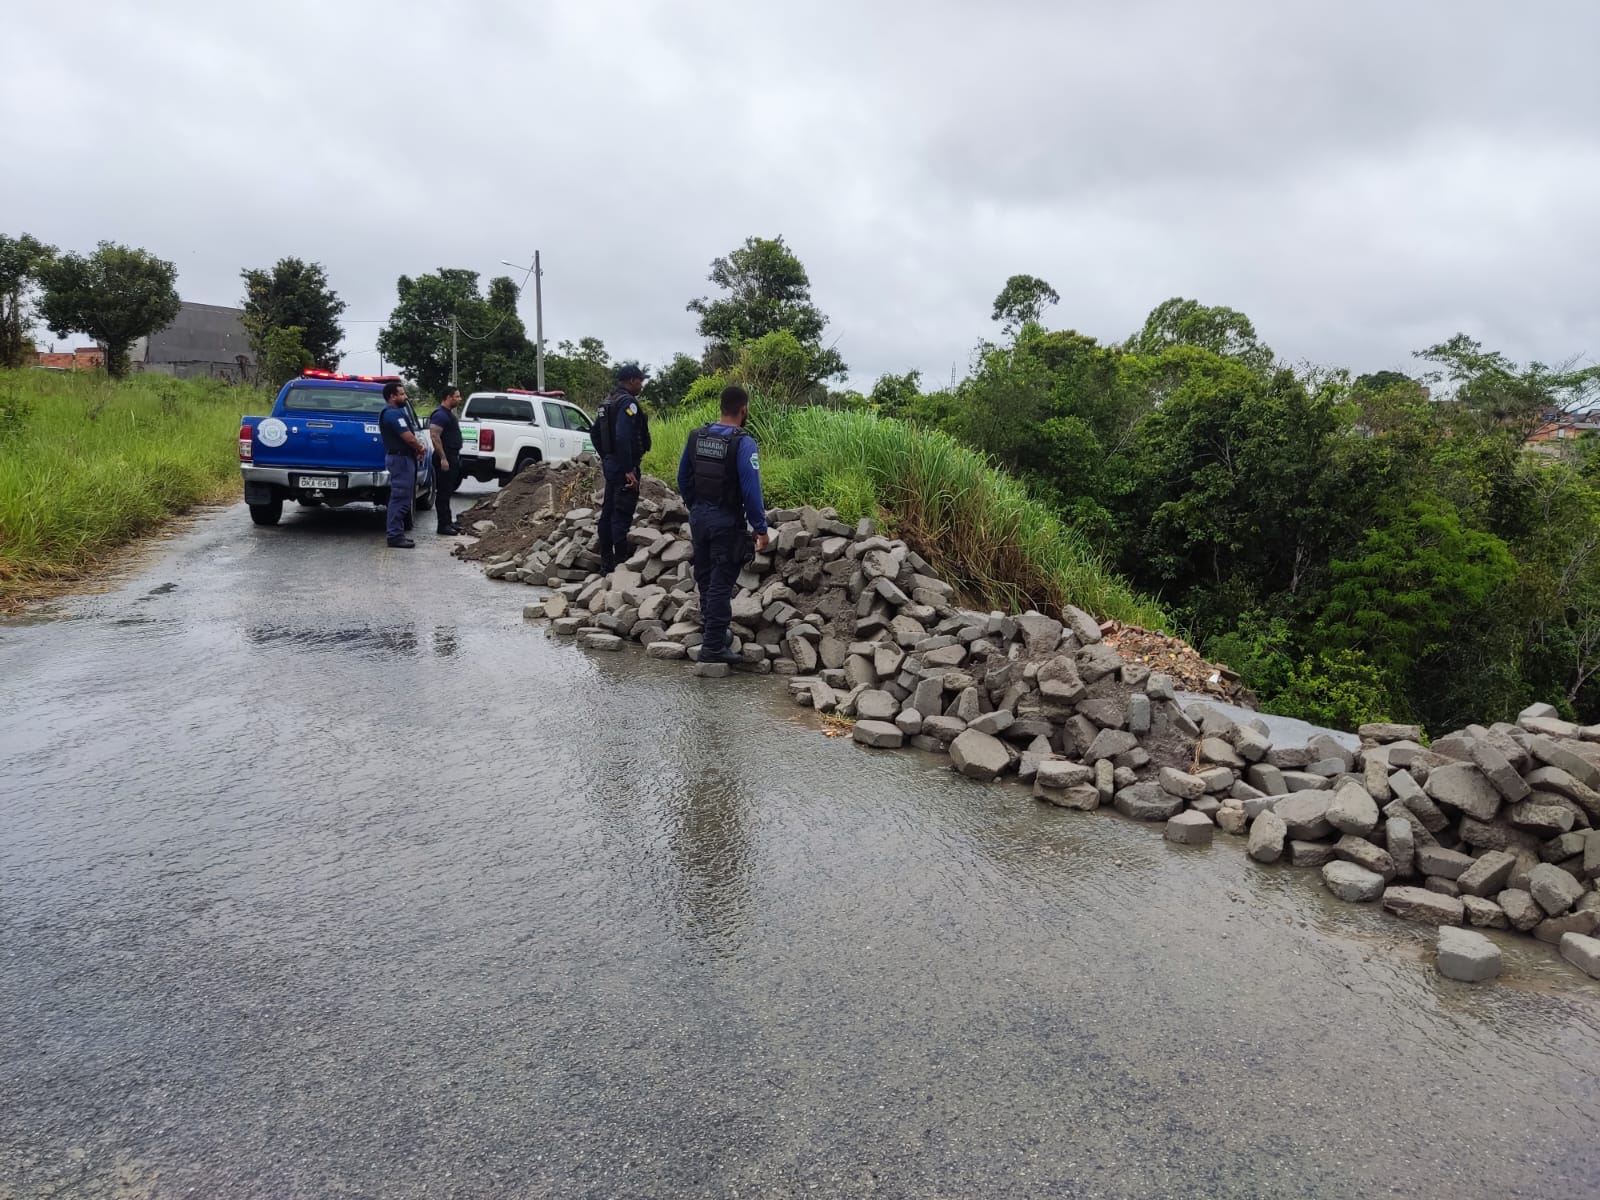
(403, 452)
(624, 430)
(446, 431)
(719, 478)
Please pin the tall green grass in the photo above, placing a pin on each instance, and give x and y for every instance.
(976, 525)
(86, 464)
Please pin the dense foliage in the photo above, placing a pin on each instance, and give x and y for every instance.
(1387, 546)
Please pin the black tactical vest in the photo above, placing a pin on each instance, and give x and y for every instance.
(716, 468)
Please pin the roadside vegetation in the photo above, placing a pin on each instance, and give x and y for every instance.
(977, 526)
(86, 463)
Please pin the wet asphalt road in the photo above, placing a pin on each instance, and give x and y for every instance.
(322, 874)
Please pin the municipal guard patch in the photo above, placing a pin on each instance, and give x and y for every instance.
(755, 460)
(633, 410)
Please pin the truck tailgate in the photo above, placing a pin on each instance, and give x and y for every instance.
(339, 441)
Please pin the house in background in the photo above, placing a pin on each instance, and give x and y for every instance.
(1562, 430)
(83, 358)
(204, 341)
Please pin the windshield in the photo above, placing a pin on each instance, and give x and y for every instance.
(333, 399)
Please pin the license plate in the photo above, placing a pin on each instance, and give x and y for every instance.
(326, 483)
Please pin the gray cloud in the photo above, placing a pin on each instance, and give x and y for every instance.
(1362, 179)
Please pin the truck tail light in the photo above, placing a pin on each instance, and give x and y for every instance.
(485, 439)
(246, 445)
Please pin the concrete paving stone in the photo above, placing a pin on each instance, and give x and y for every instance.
(1353, 810)
(1463, 787)
(1352, 882)
(878, 734)
(1582, 952)
(1484, 914)
(1146, 802)
(1552, 929)
(1309, 854)
(1520, 909)
(1467, 956)
(1190, 829)
(1423, 906)
(1366, 855)
(979, 756)
(1305, 814)
(1553, 889)
(1488, 874)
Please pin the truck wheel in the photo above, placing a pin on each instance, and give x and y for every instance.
(268, 513)
(425, 499)
(525, 460)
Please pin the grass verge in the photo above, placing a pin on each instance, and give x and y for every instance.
(978, 526)
(87, 464)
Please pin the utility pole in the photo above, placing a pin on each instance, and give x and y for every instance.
(538, 322)
(455, 374)
(538, 313)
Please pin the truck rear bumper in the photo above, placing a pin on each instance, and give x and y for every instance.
(263, 485)
(287, 476)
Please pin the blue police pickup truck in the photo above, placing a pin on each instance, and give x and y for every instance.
(320, 445)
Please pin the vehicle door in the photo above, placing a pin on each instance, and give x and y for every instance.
(582, 429)
(562, 441)
(327, 425)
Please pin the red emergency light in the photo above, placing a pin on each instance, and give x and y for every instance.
(556, 393)
(318, 373)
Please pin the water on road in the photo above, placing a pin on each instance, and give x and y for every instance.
(323, 874)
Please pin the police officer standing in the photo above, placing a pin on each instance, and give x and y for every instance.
(719, 478)
(403, 451)
(446, 431)
(623, 439)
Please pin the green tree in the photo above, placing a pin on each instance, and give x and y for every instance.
(896, 395)
(767, 290)
(666, 388)
(492, 344)
(1024, 298)
(294, 293)
(1403, 594)
(582, 369)
(22, 261)
(1502, 394)
(115, 295)
(281, 355)
(1224, 331)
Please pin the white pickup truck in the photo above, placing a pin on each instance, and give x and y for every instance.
(503, 432)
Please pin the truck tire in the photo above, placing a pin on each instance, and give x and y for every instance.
(424, 500)
(268, 513)
(524, 460)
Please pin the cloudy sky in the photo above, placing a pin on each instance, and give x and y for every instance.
(1361, 178)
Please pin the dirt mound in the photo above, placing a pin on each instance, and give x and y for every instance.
(529, 508)
(1175, 657)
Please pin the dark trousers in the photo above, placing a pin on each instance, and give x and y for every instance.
(402, 484)
(722, 546)
(616, 515)
(445, 485)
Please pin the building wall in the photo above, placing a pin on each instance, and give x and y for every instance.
(197, 369)
(84, 358)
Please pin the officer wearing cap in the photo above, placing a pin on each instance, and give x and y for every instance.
(623, 439)
(719, 478)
